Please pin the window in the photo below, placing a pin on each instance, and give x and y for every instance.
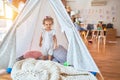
(2, 8)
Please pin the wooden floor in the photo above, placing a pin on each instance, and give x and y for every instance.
(5, 77)
(107, 58)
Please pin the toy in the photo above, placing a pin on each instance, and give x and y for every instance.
(8, 70)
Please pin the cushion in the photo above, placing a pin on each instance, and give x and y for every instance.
(2, 71)
(55, 60)
(32, 54)
(60, 54)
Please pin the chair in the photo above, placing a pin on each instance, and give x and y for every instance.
(100, 35)
(90, 28)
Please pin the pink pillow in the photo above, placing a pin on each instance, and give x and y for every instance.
(32, 54)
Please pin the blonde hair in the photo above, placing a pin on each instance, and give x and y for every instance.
(48, 18)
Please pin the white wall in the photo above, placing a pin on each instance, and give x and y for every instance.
(93, 14)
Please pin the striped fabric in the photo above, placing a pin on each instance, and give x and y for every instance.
(60, 54)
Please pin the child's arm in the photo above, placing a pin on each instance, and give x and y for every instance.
(55, 41)
(40, 44)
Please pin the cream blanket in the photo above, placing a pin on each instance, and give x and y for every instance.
(31, 69)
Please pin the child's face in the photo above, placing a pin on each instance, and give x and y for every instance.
(48, 24)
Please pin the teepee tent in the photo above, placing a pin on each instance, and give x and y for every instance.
(25, 32)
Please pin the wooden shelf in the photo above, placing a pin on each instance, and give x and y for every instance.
(111, 34)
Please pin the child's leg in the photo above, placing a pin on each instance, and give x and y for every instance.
(50, 53)
(44, 57)
(49, 57)
(44, 53)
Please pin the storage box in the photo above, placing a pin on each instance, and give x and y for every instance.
(111, 35)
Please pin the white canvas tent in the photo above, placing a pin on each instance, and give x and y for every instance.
(25, 32)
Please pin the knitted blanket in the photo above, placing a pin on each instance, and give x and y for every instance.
(31, 69)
